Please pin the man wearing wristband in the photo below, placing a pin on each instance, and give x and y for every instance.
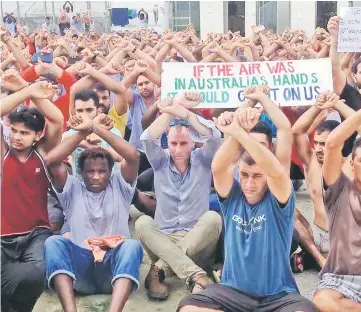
(184, 233)
(95, 208)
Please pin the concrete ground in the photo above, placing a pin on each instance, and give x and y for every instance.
(49, 302)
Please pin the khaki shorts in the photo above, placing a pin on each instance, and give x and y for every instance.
(321, 239)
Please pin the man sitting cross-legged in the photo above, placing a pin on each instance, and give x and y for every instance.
(340, 285)
(258, 216)
(97, 208)
(184, 233)
(24, 216)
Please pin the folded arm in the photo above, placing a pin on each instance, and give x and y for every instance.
(333, 162)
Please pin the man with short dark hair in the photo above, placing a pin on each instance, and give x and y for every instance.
(340, 284)
(24, 216)
(258, 211)
(46, 26)
(86, 102)
(95, 209)
(315, 239)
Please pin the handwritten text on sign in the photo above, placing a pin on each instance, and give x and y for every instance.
(349, 35)
(292, 83)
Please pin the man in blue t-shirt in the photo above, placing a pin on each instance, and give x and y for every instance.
(258, 216)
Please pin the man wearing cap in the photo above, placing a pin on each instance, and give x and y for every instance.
(184, 233)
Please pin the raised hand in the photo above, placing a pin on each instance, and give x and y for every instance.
(43, 90)
(83, 68)
(214, 47)
(166, 106)
(115, 68)
(168, 38)
(12, 81)
(248, 117)
(327, 100)
(127, 46)
(80, 122)
(255, 93)
(227, 123)
(141, 66)
(104, 121)
(93, 139)
(189, 99)
(3, 31)
(333, 26)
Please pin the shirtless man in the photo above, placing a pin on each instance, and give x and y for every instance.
(315, 240)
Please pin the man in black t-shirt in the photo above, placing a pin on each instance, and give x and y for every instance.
(351, 95)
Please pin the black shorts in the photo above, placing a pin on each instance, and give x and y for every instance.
(229, 299)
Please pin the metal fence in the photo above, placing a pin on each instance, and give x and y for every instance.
(101, 21)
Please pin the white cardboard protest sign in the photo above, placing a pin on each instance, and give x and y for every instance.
(222, 85)
(349, 35)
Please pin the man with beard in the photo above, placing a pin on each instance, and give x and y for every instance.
(340, 284)
(139, 103)
(351, 94)
(315, 240)
(24, 216)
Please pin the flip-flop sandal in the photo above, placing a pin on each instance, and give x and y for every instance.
(195, 287)
(294, 264)
(217, 268)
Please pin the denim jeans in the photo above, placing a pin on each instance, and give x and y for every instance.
(62, 256)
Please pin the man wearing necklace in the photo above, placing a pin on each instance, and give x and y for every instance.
(97, 207)
(184, 233)
(24, 217)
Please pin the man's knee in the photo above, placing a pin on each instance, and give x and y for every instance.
(54, 245)
(143, 225)
(189, 308)
(324, 299)
(55, 241)
(131, 248)
(213, 220)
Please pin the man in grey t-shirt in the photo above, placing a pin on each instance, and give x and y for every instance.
(95, 208)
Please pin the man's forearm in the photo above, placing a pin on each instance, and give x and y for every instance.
(10, 102)
(160, 125)
(225, 56)
(227, 155)
(198, 126)
(305, 121)
(344, 110)
(141, 55)
(49, 111)
(153, 77)
(260, 154)
(23, 62)
(278, 118)
(110, 83)
(339, 135)
(149, 116)
(65, 148)
(122, 147)
(183, 50)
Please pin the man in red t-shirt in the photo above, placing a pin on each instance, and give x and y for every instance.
(24, 215)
